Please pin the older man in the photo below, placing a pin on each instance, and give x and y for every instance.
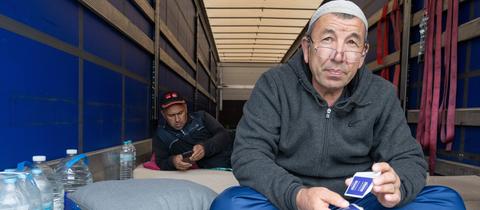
(313, 122)
(189, 140)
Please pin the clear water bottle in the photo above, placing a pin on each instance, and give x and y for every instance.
(127, 160)
(30, 189)
(134, 151)
(70, 154)
(55, 184)
(11, 197)
(45, 187)
(74, 173)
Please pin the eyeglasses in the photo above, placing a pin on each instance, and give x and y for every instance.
(350, 56)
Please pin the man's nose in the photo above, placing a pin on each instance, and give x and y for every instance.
(338, 53)
(177, 118)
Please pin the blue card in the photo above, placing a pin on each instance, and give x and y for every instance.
(362, 184)
(352, 207)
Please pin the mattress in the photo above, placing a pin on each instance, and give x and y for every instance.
(216, 180)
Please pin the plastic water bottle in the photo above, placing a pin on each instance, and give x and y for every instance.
(46, 191)
(31, 191)
(11, 197)
(74, 173)
(70, 154)
(134, 151)
(55, 184)
(127, 155)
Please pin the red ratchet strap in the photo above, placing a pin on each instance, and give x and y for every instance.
(382, 41)
(395, 18)
(423, 130)
(447, 129)
(436, 86)
(427, 129)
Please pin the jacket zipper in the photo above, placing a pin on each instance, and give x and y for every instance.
(325, 134)
(327, 115)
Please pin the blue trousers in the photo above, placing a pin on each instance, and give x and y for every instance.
(430, 198)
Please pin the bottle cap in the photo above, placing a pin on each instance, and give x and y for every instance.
(71, 151)
(40, 158)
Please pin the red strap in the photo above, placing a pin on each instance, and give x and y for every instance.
(451, 41)
(443, 117)
(430, 109)
(436, 86)
(395, 18)
(382, 42)
(423, 126)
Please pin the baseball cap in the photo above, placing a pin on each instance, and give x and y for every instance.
(170, 98)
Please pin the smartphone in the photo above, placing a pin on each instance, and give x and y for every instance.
(186, 155)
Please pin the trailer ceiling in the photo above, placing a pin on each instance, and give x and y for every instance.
(257, 30)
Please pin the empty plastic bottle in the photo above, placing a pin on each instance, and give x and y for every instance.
(11, 197)
(70, 154)
(43, 184)
(74, 173)
(134, 151)
(31, 191)
(127, 160)
(55, 184)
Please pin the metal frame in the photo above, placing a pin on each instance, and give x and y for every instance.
(268, 19)
(407, 11)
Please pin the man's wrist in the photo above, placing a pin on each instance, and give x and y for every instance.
(298, 197)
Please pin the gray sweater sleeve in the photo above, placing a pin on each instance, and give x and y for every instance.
(256, 146)
(394, 144)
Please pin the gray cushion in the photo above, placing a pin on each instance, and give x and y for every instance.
(144, 194)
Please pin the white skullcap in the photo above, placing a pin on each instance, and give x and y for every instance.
(338, 6)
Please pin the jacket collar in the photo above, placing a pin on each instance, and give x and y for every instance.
(353, 95)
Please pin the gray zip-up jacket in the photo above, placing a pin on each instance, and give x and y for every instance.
(288, 137)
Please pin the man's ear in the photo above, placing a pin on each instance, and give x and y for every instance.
(305, 48)
(362, 60)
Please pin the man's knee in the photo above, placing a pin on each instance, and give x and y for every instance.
(241, 198)
(441, 196)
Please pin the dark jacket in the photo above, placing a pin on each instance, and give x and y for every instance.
(201, 128)
(286, 139)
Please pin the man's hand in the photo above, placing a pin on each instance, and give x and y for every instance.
(198, 152)
(386, 187)
(319, 198)
(179, 164)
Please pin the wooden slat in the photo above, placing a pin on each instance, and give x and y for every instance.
(388, 60)
(116, 18)
(207, 69)
(452, 168)
(107, 11)
(372, 20)
(463, 116)
(26, 31)
(171, 38)
(417, 17)
(146, 8)
(205, 92)
(466, 31)
(164, 57)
